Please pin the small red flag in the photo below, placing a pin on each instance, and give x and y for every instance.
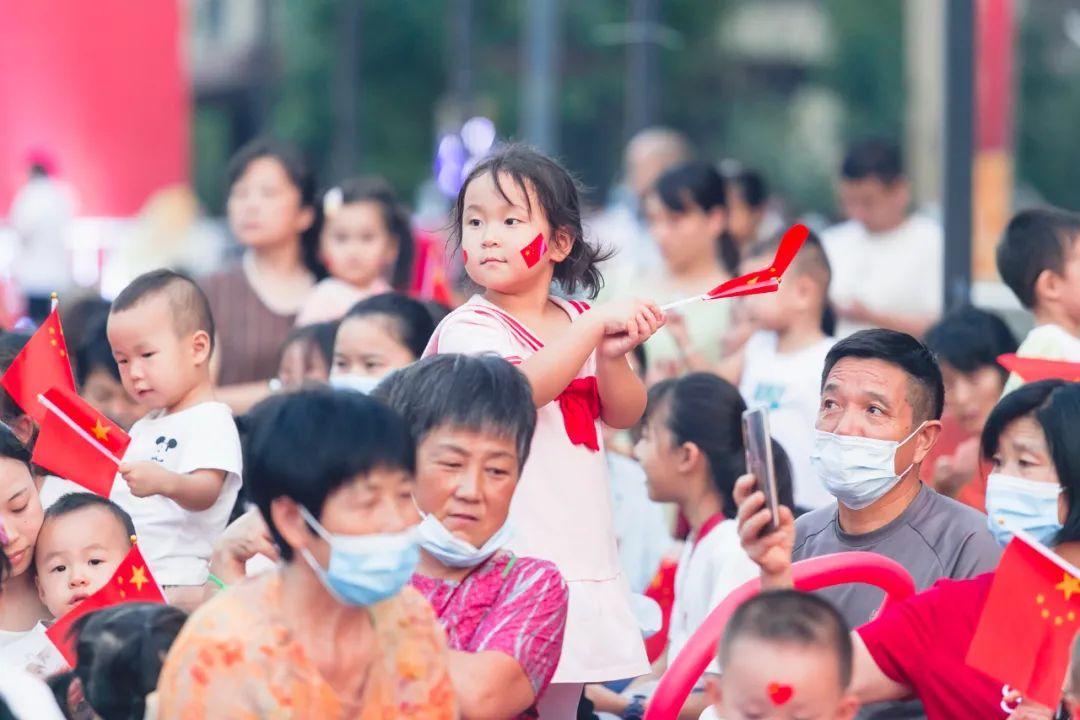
(132, 582)
(41, 365)
(534, 251)
(79, 443)
(1036, 369)
(1029, 621)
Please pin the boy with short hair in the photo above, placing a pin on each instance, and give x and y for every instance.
(1039, 259)
(98, 377)
(785, 655)
(181, 474)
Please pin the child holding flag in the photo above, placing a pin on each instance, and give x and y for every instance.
(181, 474)
(518, 223)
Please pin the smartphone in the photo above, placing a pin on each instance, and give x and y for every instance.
(759, 460)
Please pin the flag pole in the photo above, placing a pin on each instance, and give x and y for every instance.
(54, 302)
(684, 301)
(1029, 540)
(74, 426)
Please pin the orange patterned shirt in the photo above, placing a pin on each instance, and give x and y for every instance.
(236, 659)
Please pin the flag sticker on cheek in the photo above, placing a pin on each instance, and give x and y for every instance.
(534, 251)
(465, 256)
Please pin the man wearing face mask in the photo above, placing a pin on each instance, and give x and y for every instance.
(881, 402)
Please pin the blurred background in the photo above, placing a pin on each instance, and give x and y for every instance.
(135, 108)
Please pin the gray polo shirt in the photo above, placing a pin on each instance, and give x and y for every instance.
(935, 537)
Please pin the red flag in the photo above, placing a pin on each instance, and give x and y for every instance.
(79, 443)
(41, 365)
(790, 245)
(1029, 621)
(534, 251)
(132, 582)
(1035, 369)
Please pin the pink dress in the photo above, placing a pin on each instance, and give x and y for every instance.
(561, 509)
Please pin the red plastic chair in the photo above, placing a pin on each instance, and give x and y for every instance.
(813, 574)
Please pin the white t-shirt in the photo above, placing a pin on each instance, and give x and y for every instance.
(789, 385)
(27, 697)
(31, 651)
(899, 271)
(641, 525)
(177, 543)
(705, 576)
(1049, 342)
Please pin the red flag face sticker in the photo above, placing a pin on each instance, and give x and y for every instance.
(465, 256)
(534, 251)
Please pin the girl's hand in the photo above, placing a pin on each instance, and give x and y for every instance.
(627, 324)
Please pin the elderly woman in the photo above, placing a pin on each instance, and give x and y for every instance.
(472, 419)
(333, 632)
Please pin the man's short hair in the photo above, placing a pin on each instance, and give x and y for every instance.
(477, 393)
(75, 501)
(1034, 241)
(792, 617)
(926, 389)
(190, 308)
(873, 158)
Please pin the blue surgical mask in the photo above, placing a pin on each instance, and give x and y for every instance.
(856, 470)
(1016, 503)
(364, 569)
(454, 552)
(365, 384)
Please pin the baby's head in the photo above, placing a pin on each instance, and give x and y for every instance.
(366, 234)
(518, 222)
(82, 541)
(785, 655)
(804, 289)
(162, 335)
(377, 335)
(1039, 259)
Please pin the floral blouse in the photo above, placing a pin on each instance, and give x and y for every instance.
(236, 659)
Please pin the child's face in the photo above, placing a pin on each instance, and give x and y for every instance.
(158, 366)
(494, 233)
(21, 514)
(76, 555)
(466, 479)
(739, 330)
(660, 458)
(300, 363)
(1069, 283)
(103, 392)
(265, 207)
(970, 396)
(686, 238)
(798, 296)
(367, 346)
(780, 681)
(356, 246)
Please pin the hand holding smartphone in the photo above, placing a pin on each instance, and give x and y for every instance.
(759, 460)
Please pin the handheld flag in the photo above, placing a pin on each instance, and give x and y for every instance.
(765, 280)
(1025, 633)
(79, 443)
(132, 582)
(42, 364)
(1035, 369)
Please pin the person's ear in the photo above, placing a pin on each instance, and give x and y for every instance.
(848, 707)
(925, 440)
(200, 347)
(23, 427)
(713, 692)
(1063, 514)
(290, 523)
(689, 457)
(40, 591)
(716, 221)
(560, 245)
(304, 219)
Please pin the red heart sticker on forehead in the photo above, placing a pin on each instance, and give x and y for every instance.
(779, 694)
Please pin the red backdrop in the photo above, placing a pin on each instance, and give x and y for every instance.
(101, 88)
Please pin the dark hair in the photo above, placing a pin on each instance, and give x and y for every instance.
(750, 183)
(970, 339)
(188, 304)
(81, 317)
(811, 261)
(75, 501)
(1055, 405)
(11, 448)
(95, 353)
(785, 476)
(120, 651)
(395, 216)
(698, 184)
(306, 444)
(1034, 241)
(873, 158)
(11, 344)
(412, 322)
(482, 394)
(302, 177)
(317, 338)
(706, 410)
(558, 194)
(926, 389)
(790, 616)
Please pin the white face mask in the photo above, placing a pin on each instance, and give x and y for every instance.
(365, 384)
(451, 550)
(857, 471)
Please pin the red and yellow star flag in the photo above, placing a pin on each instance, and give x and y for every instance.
(1036, 369)
(1029, 621)
(79, 443)
(132, 582)
(42, 364)
(534, 251)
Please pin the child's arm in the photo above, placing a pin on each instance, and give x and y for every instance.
(194, 491)
(622, 393)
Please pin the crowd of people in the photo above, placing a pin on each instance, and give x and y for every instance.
(360, 503)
